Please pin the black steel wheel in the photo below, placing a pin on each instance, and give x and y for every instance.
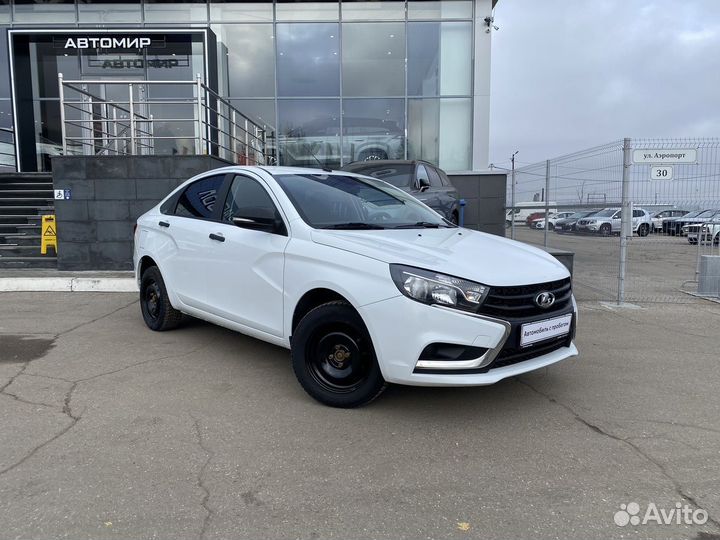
(605, 229)
(333, 357)
(644, 229)
(157, 312)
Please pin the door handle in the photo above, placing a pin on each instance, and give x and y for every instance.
(163, 223)
(218, 237)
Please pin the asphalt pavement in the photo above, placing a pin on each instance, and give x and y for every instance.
(112, 431)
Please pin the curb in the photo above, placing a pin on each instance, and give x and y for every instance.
(68, 284)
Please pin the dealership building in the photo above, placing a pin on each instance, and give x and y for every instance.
(277, 82)
(340, 80)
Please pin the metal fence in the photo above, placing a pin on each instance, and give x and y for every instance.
(102, 117)
(656, 205)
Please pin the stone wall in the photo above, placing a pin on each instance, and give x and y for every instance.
(95, 227)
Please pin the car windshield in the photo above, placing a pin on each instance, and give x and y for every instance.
(400, 175)
(578, 215)
(706, 213)
(608, 212)
(336, 201)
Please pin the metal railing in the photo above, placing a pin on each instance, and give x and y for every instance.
(125, 117)
(7, 148)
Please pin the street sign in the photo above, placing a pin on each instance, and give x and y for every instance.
(664, 155)
(62, 194)
(661, 172)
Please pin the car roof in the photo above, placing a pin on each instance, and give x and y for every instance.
(272, 169)
(383, 162)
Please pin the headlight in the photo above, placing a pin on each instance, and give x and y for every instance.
(591, 222)
(434, 288)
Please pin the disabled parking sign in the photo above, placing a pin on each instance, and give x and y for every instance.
(63, 194)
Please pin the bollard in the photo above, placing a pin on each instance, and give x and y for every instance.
(461, 216)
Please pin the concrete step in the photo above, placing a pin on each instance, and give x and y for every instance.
(24, 199)
(43, 261)
(18, 218)
(25, 187)
(20, 239)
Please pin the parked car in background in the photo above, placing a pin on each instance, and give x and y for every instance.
(362, 282)
(702, 217)
(673, 226)
(705, 232)
(421, 179)
(658, 218)
(524, 210)
(608, 220)
(318, 142)
(539, 223)
(569, 224)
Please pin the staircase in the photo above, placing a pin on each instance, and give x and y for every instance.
(24, 198)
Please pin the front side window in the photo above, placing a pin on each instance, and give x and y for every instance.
(400, 175)
(248, 200)
(336, 201)
(199, 198)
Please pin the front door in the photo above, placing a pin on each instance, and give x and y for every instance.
(246, 266)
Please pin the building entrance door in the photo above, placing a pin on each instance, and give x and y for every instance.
(123, 57)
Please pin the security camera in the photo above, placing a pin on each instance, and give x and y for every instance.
(489, 23)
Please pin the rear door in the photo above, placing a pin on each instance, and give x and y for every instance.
(245, 267)
(187, 225)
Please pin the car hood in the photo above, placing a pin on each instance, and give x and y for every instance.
(464, 253)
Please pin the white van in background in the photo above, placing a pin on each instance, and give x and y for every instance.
(524, 209)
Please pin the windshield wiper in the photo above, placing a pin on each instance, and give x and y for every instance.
(357, 225)
(420, 225)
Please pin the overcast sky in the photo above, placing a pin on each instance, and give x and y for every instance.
(567, 75)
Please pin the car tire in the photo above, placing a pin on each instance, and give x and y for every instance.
(644, 229)
(605, 229)
(372, 155)
(551, 226)
(157, 312)
(333, 357)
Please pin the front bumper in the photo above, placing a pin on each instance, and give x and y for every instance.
(402, 328)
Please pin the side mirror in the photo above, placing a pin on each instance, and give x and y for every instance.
(260, 223)
(423, 184)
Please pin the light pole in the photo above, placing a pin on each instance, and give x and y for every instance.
(512, 196)
(512, 191)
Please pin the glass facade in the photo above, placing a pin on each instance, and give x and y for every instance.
(334, 82)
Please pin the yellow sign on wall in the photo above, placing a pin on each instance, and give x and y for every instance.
(49, 234)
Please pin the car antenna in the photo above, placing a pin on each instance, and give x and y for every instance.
(320, 163)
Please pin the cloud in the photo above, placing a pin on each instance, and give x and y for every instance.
(570, 75)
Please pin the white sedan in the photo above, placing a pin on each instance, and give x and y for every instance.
(554, 218)
(363, 283)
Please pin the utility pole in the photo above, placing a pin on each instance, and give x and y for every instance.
(512, 196)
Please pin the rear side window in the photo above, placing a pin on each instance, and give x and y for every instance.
(638, 213)
(444, 178)
(434, 177)
(199, 198)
